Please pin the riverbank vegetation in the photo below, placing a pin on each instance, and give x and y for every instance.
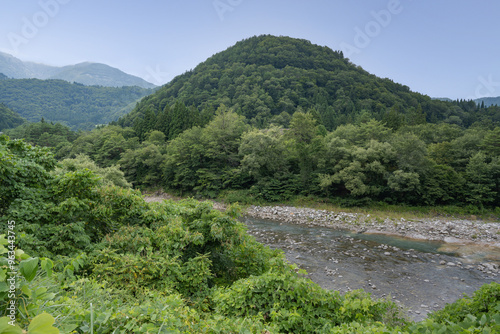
(100, 257)
(368, 164)
(268, 120)
(276, 119)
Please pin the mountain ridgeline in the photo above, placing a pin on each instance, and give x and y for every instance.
(273, 118)
(87, 73)
(268, 78)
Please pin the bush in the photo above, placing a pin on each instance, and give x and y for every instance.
(295, 304)
(486, 300)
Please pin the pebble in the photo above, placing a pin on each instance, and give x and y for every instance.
(430, 229)
(442, 229)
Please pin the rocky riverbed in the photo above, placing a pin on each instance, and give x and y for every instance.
(439, 229)
(421, 264)
(419, 275)
(465, 238)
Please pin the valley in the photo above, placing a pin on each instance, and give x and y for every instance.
(269, 120)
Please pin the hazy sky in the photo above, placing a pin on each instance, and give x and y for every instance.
(443, 48)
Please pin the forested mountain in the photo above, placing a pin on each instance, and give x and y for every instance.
(274, 117)
(76, 105)
(99, 74)
(267, 78)
(85, 73)
(489, 101)
(8, 118)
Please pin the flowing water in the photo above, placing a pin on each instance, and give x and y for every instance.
(420, 275)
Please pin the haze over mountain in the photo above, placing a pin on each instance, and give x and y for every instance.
(489, 101)
(87, 73)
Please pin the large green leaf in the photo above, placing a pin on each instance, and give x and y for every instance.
(28, 268)
(42, 324)
(6, 328)
(3, 274)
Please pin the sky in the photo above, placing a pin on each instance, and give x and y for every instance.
(442, 48)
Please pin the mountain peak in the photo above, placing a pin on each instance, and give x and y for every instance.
(87, 73)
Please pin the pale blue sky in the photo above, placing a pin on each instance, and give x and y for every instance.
(440, 48)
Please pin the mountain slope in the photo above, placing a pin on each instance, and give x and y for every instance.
(75, 105)
(84, 73)
(488, 101)
(262, 77)
(8, 118)
(91, 74)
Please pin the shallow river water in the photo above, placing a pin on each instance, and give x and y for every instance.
(422, 276)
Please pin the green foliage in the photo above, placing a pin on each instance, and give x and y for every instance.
(18, 292)
(103, 145)
(8, 118)
(491, 143)
(24, 174)
(44, 134)
(281, 117)
(75, 105)
(109, 175)
(477, 314)
(126, 266)
(264, 152)
(265, 78)
(206, 159)
(486, 300)
(482, 179)
(279, 297)
(423, 164)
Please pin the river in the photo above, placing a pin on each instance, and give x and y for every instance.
(422, 276)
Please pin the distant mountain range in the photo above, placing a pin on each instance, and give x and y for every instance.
(488, 101)
(90, 74)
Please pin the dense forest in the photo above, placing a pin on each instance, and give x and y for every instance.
(8, 118)
(75, 105)
(267, 78)
(88, 256)
(274, 117)
(350, 138)
(269, 119)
